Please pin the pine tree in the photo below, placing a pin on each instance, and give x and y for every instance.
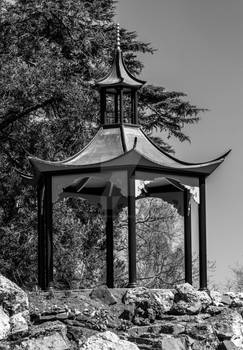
(51, 53)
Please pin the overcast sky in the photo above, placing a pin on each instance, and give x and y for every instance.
(200, 52)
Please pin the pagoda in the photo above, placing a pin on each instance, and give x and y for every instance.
(105, 173)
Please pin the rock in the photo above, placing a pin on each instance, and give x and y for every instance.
(228, 345)
(164, 298)
(231, 294)
(187, 292)
(216, 297)
(205, 345)
(186, 308)
(186, 301)
(13, 298)
(214, 310)
(200, 331)
(53, 341)
(48, 336)
(4, 324)
(107, 341)
(204, 299)
(136, 295)
(228, 325)
(74, 333)
(103, 294)
(226, 300)
(171, 343)
(145, 309)
(172, 328)
(18, 323)
(237, 300)
(128, 312)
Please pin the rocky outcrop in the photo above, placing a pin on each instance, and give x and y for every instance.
(4, 324)
(180, 319)
(14, 309)
(107, 341)
(104, 294)
(12, 298)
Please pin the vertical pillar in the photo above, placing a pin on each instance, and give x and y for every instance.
(121, 105)
(187, 237)
(132, 268)
(109, 244)
(202, 235)
(103, 105)
(41, 257)
(45, 239)
(135, 107)
(116, 107)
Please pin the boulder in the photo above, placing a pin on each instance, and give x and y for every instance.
(226, 300)
(228, 325)
(18, 323)
(49, 336)
(136, 295)
(204, 298)
(54, 341)
(171, 343)
(187, 292)
(4, 324)
(200, 331)
(186, 300)
(228, 345)
(107, 341)
(13, 298)
(186, 308)
(103, 294)
(237, 300)
(216, 297)
(164, 298)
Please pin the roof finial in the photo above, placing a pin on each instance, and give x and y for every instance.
(118, 37)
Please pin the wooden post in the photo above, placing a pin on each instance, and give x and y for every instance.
(121, 105)
(45, 239)
(109, 244)
(135, 107)
(103, 105)
(187, 237)
(116, 107)
(132, 268)
(41, 251)
(202, 235)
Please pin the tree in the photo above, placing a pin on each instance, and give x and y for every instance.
(51, 54)
(160, 256)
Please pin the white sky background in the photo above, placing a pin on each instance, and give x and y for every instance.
(200, 52)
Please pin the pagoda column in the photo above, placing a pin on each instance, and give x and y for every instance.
(187, 237)
(132, 268)
(45, 239)
(109, 244)
(202, 234)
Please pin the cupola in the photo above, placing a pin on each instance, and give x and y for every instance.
(118, 91)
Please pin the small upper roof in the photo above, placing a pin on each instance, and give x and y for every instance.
(119, 75)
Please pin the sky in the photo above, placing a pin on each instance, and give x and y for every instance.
(200, 52)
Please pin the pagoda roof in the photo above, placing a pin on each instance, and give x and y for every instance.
(121, 147)
(119, 75)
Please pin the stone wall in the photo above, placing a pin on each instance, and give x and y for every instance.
(121, 319)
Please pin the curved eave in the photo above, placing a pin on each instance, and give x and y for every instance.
(181, 162)
(129, 159)
(119, 75)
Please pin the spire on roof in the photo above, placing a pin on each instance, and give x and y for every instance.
(118, 39)
(119, 76)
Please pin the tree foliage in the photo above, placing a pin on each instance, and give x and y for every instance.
(51, 53)
(160, 256)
